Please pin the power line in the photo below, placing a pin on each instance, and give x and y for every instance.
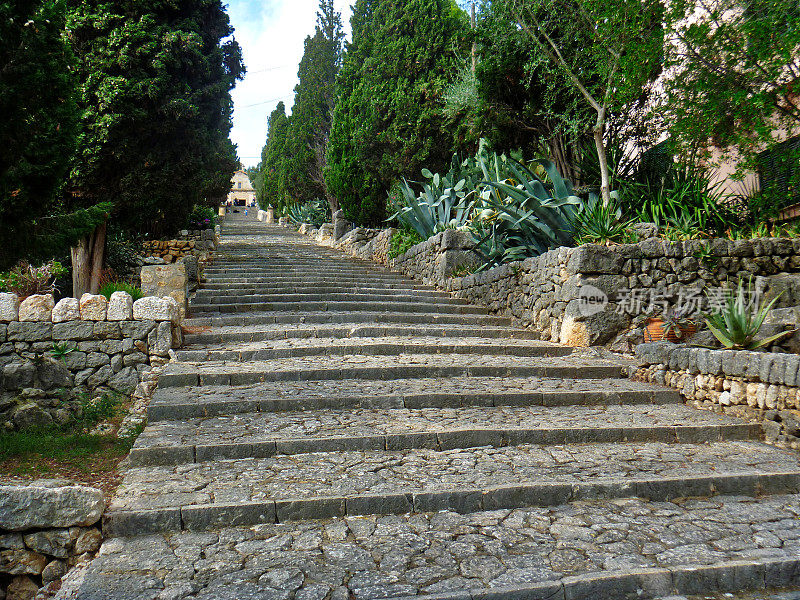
(268, 101)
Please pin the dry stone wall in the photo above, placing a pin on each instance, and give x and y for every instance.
(551, 293)
(764, 385)
(52, 354)
(189, 243)
(46, 528)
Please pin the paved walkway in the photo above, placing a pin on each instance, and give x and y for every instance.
(333, 431)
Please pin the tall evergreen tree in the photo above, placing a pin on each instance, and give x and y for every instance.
(271, 185)
(388, 121)
(315, 95)
(155, 80)
(38, 126)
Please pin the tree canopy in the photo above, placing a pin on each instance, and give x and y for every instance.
(389, 121)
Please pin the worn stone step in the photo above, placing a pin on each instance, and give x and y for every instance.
(233, 296)
(587, 550)
(406, 366)
(396, 306)
(334, 484)
(275, 349)
(267, 434)
(196, 335)
(300, 317)
(300, 288)
(191, 402)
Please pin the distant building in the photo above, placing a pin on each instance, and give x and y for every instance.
(242, 192)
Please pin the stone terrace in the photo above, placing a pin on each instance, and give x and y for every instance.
(333, 431)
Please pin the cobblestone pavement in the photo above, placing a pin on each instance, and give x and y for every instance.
(333, 431)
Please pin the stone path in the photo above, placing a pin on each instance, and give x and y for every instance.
(333, 431)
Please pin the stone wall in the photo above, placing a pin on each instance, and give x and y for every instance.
(764, 385)
(550, 293)
(189, 243)
(53, 354)
(46, 528)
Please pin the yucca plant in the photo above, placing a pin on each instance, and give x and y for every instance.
(737, 325)
(598, 223)
(314, 212)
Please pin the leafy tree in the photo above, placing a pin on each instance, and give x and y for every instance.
(155, 80)
(315, 95)
(607, 50)
(38, 128)
(733, 72)
(271, 184)
(388, 121)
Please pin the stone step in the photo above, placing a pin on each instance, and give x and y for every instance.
(260, 435)
(231, 296)
(588, 550)
(191, 402)
(264, 318)
(335, 484)
(305, 287)
(299, 280)
(276, 349)
(196, 335)
(396, 306)
(406, 366)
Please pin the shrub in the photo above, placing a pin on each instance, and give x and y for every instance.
(120, 286)
(26, 280)
(401, 241)
(122, 252)
(201, 217)
(597, 223)
(315, 212)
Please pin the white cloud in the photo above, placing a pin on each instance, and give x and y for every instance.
(271, 34)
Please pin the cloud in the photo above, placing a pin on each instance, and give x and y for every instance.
(271, 34)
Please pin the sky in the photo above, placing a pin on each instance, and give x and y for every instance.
(271, 34)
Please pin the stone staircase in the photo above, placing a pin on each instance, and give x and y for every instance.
(332, 431)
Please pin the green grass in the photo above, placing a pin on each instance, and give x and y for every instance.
(120, 286)
(401, 241)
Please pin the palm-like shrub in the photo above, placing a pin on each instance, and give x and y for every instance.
(736, 326)
(598, 223)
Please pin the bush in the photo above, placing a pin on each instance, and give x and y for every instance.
(401, 241)
(315, 212)
(120, 286)
(122, 252)
(25, 279)
(201, 217)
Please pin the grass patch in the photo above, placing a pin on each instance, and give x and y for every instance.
(70, 450)
(401, 241)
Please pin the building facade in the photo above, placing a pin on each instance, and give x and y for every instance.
(242, 192)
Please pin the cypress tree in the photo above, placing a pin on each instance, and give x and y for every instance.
(271, 185)
(388, 122)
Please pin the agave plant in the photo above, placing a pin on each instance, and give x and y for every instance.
(737, 324)
(446, 201)
(524, 215)
(315, 212)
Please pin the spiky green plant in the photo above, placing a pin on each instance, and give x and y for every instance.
(737, 325)
(598, 223)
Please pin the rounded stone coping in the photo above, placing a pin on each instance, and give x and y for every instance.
(765, 367)
(91, 308)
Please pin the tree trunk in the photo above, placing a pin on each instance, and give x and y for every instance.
(599, 130)
(87, 262)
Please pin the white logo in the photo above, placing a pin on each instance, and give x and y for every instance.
(591, 300)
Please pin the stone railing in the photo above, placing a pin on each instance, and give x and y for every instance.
(46, 528)
(52, 354)
(768, 382)
(551, 293)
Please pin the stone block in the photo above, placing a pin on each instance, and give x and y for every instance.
(99, 377)
(73, 330)
(67, 309)
(105, 330)
(18, 375)
(167, 281)
(49, 503)
(9, 307)
(120, 307)
(154, 308)
(595, 259)
(21, 562)
(38, 307)
(53, 542)
(136, 330)
(94, 307)
(53, 374)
